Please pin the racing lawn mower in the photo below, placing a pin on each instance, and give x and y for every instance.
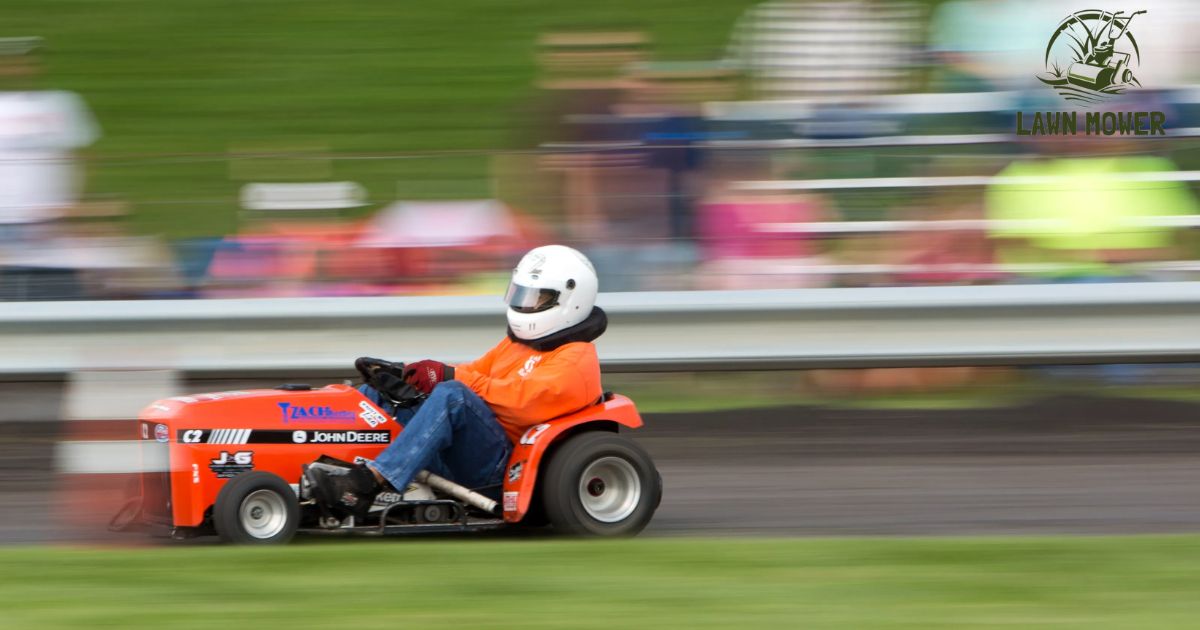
(232, 463)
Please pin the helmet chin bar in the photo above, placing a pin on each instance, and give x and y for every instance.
(526, 325)
(589, 329)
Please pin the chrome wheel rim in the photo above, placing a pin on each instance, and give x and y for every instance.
(610, 489)
(263, 513)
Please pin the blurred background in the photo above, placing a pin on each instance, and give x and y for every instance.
(284, 149)
(156, 156)
(270, 148)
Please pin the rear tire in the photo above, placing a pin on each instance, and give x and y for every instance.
(600, 484)
(256, 508)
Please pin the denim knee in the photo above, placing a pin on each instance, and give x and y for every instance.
(450, 389)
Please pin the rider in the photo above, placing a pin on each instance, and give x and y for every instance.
(465, 430)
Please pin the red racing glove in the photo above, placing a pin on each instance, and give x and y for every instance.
(424, 375)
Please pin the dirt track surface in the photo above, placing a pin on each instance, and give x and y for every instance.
(1061, 466)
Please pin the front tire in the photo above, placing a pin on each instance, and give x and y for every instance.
(256, 508)
(600, 484)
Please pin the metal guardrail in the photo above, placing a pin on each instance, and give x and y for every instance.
(723, 330)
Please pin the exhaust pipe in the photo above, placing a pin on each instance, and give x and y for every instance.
(474, 499)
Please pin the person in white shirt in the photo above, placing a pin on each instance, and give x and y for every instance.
(826, 51)
(39, 131)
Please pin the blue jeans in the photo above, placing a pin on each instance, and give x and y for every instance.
(453, 434)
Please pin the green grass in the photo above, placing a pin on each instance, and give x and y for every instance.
(1120, 582)
(200, 78)
(719, 391)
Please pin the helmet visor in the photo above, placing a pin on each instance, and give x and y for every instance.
(524, 299)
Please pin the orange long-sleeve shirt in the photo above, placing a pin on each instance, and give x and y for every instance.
(525, 387)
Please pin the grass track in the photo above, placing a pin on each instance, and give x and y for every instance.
(1119, 582)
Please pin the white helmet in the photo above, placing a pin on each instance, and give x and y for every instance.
(553, 288)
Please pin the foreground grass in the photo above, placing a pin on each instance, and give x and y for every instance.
(1122, 582)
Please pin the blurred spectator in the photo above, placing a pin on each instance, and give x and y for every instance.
(1087, 222)
(616, 206)
(741, 251)
(406, 247)
(665, 102)
(945, 256)
(581, 82)
(829, 50)
(39, 129)
(296, 257)
(989, 44)
(461, 241)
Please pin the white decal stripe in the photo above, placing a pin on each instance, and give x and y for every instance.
(229, 436)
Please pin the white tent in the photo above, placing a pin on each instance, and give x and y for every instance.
(439, 224)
